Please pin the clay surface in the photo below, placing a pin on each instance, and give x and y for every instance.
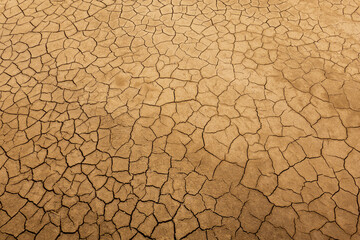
(179, 119)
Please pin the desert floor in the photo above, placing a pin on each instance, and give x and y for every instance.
(179, 119)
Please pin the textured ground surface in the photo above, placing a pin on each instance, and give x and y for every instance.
(213, 119)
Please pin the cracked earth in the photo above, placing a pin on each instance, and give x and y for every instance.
(179, 119)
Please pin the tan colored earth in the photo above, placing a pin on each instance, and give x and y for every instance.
(179, 119)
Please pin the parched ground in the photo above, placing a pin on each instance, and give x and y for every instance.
(179, 119)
